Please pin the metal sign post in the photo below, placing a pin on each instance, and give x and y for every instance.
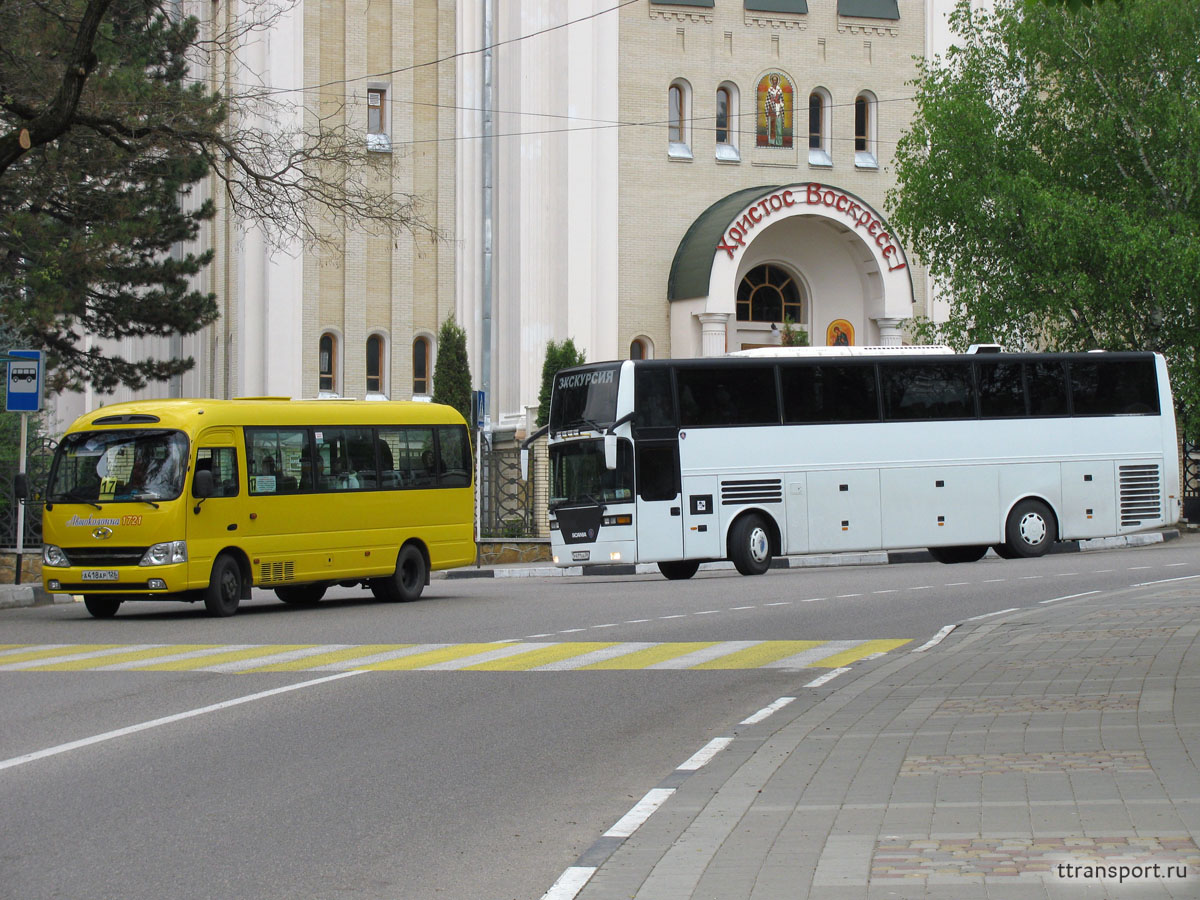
(24, 396)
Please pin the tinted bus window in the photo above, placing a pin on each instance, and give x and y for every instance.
(829, 394)
(654, 398)
(1106, 387)
(725, 395)
(1001, 390)
(1046, 383)
(921, 390)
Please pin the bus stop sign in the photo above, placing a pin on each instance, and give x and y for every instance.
(24, 381)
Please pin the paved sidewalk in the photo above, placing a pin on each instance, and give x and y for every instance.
(1023, 756)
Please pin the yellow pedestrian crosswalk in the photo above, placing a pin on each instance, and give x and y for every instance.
(502, 656)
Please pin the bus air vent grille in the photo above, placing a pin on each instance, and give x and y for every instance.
(277, 571)
(760, 490)
(1141, 494)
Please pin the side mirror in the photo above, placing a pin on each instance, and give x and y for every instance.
(202, 484)
(21, 486)
(610, 452)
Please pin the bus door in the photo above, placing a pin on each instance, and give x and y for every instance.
(659, 503)
(213, 521)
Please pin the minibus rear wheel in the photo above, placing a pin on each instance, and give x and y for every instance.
(301, 594)
(102, 606)
(409, 579)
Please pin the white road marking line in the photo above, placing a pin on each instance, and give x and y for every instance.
(732, 608)
(606, 625)
(1175, 565)
(532, 636)
(677, 616)
(767, 711)
(1166, 580)
(705, 654)
(998, 612)
(845, 596)
(888, 591)
(922, 587)
(1070, 597)
(779, 603)
(813, 655)
(936, 639)
(594, 656)
(994, 580)
(572, 630)
(706, 612)
(1032, 577)
(956, 584)
(812, 600)
(165, 720)
(827, 677)
(705, 754)
(635, 621)
(570, 883)
(1136, 568)
(642, 810)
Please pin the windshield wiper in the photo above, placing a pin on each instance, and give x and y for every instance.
(72, 497)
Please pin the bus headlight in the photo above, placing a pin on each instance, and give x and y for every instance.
(54, 556)
(618, 520)
(165, 554)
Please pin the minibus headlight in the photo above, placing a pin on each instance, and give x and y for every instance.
(54, 556)
(164, 554)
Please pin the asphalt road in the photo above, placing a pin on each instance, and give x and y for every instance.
(409, 785)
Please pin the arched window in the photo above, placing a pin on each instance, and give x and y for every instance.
(637, 349)
(327, 363)
(420, 383)
(727, 122)
(769, 294)
(375, 364)
(679, 113)
(864, 132)
(818, 128)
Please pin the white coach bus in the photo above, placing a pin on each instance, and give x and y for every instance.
(764, 453)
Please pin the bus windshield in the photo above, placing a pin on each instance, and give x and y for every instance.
(126, 465)
(578, 476)
(585, 398)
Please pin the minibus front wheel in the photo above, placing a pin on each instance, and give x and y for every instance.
(224, 591)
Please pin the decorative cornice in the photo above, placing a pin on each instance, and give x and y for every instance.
(673, 15)
(864, 28)
(776, 23)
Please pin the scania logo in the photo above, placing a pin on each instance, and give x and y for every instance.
(102, 533)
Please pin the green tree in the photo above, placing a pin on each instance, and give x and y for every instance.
(106, 125)
(1050, 180)
(452, 372)
(558, 356)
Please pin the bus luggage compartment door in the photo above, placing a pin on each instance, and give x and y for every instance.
(701, 518)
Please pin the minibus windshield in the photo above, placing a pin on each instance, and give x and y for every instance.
(119, 466)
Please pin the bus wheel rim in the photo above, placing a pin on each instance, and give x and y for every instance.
(1033, 529)
(759, 545)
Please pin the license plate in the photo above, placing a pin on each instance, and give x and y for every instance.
(99, 575)
(581, 555)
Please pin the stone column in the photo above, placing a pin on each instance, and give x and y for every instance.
(890, 332)
(712, 333)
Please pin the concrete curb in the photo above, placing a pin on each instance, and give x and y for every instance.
(868, 558)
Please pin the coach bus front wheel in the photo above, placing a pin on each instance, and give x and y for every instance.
(750, 545)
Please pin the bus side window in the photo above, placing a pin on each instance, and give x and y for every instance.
(455, 456)
(657, 472)
(391, 446)
(222, 462)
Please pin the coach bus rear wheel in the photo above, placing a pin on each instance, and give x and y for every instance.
(963, 554)
(750, 545)
(1031, 528)
(301, 595)
(679, 569)
(100, 606)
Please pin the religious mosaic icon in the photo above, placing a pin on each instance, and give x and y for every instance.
(775, 111)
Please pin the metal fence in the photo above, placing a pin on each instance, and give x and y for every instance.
(1191, 481)
(40, 454)
(511, 507)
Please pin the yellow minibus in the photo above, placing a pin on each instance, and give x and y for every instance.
(203, 499)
